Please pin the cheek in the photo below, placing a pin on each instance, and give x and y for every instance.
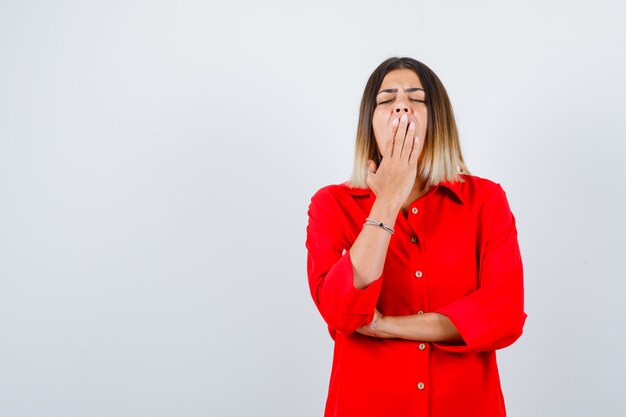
(423, 126)
(379, 126)
(422, 131)
(381, 145)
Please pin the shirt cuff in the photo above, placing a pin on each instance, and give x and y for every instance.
(470, 322)
(340, 287)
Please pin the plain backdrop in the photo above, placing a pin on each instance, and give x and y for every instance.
(157, 160)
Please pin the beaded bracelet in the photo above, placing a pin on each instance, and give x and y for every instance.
(374, 323)
(379, 224)
(373, 326)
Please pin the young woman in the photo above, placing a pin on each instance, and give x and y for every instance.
(414, 263)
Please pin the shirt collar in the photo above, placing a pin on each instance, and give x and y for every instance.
(453, 186)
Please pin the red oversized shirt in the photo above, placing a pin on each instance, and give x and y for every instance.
(456, 253)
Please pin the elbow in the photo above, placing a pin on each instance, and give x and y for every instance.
(509, 335)
(491, 337)
(518, 327)
(346, 324)
(343, 319)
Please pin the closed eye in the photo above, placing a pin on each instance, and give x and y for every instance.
(413, 99)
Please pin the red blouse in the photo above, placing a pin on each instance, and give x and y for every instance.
(456, 254)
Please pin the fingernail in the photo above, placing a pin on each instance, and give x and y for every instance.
(395, 121)
(412, 125)
(404, 117)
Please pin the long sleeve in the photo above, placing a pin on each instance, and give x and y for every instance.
(331, 282)
(455, 252)
(492, 317)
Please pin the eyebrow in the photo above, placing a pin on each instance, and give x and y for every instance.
(395, 90)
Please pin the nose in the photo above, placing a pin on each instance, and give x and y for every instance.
(401, 106)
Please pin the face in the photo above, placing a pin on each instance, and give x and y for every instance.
(407, 96)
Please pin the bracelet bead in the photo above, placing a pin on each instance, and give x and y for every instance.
(373, 222)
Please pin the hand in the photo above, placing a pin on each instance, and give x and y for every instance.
(367, 329)
(394, 179)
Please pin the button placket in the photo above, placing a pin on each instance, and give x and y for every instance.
(419, 264)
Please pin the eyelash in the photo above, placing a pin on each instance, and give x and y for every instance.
(387, 101)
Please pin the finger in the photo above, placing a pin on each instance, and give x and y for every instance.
(391, 134)
(408, 141)
(415, 151)
(371, 167)
(400, 134)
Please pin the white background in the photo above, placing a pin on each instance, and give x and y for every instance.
(157, 161)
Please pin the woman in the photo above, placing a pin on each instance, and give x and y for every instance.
(414, 263)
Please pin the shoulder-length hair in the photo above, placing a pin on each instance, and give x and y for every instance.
(441, 158)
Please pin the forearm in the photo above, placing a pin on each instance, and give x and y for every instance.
(369, 250)
(427, 327)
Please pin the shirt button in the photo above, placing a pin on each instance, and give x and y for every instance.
(413, 239)
(418, 274)
(414, 210)
(420, 312)
(422, 346)
(420, 385)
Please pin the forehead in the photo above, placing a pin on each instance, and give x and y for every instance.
(401, 78)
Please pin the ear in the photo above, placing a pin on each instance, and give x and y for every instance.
(371, 166)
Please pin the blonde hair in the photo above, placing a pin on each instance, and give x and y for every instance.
(441, 158)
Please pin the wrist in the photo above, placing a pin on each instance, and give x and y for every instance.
(382, 327)
(385, 211)
(374, 324)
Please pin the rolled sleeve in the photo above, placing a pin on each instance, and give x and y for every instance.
(492, 317)
(339, 288)
(343, 307)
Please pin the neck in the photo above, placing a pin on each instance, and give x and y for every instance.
(419, 189)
